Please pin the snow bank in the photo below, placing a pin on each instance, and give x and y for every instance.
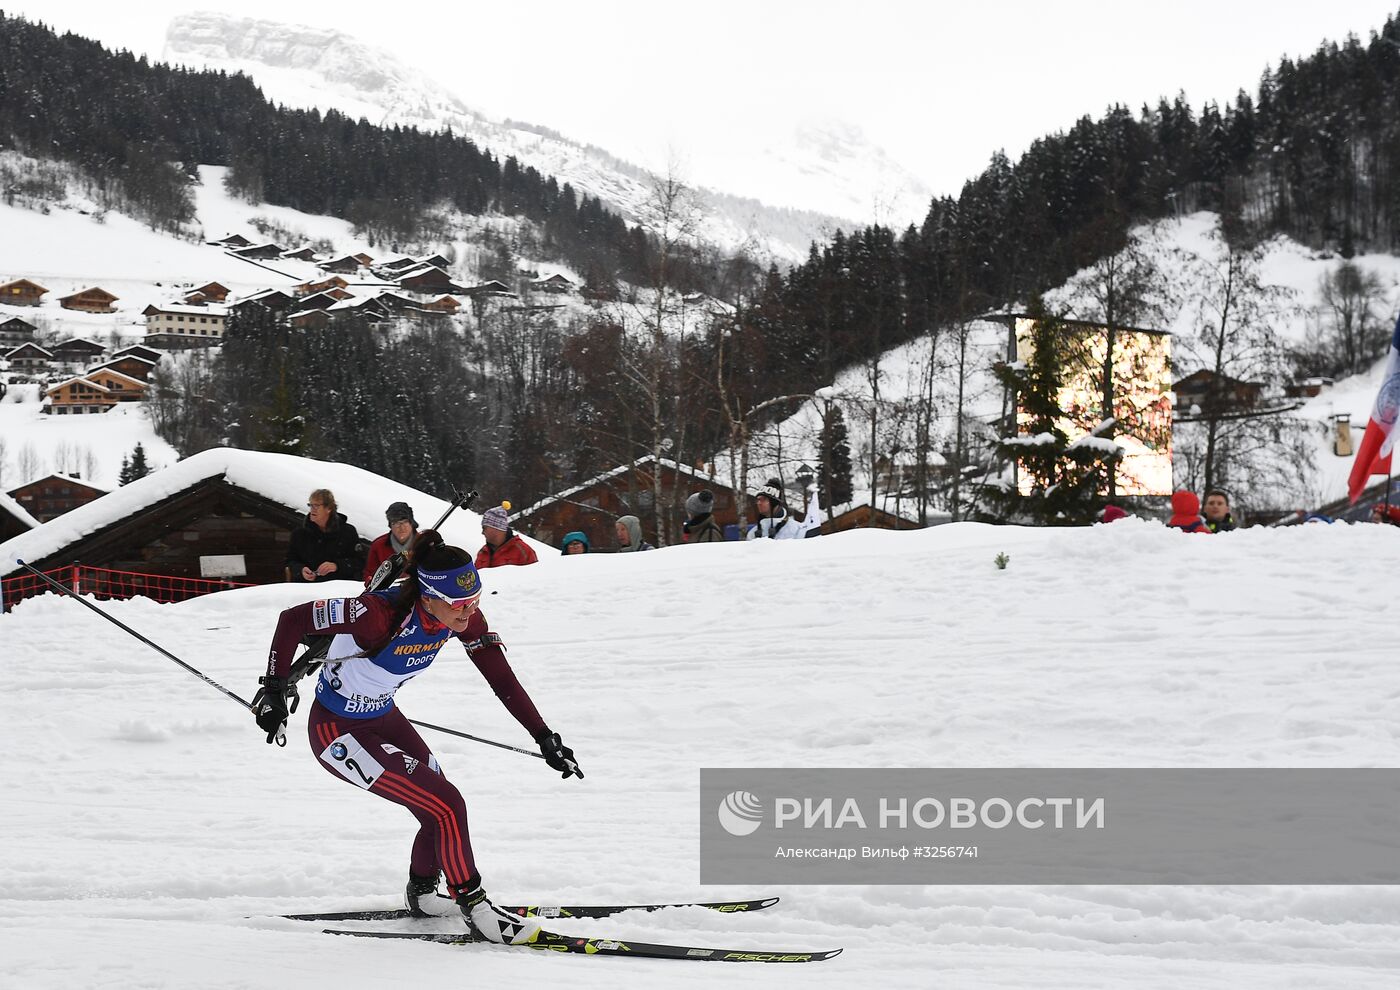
(150, 817)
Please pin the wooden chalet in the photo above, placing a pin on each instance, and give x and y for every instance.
(1307, 388)
(233, 241)
(77, 351)
(311, 319)
(593, 506)
(556, 283)
(14, 518)
(324, 299)
(491, 288)
(442, 304)
(131, 365)
(29, 357)
(95, 392)
(212, 291)
(364, 259)
(300, 254)
(428, 279)
(266, 301)
(864, 517)
(347, 264)
(1212, 392)
(49, 498)
(90, 300)
(259, 252)
(320, 285)
(195, 298)
(21, 292)
(15, 331)
(141, 351)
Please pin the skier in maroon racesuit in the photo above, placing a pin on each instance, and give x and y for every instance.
(383, 640)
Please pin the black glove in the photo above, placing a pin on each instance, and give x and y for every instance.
(558, 756)
(270, 706)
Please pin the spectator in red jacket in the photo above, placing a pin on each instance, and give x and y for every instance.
(403, 530)
(1383, 513)
(503, 544)
(1186, 513)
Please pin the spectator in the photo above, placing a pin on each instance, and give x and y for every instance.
(1217, 511)
(325, 548)
(503, 545)
(1112, 513)
(1384, 512)
(774, 523)
(575, 542)
(701, 526)
(1186, 513)
(629, 535)
(403, 530)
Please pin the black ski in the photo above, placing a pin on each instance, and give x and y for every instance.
(554, 942)
(546, 911)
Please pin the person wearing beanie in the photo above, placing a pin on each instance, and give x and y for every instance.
(1112, 513)
(503, 545)
(574, 543)
(1217, 511)
(700, 526)
(774, 523)
(1186, 513)
(403, 530)
(629, 535)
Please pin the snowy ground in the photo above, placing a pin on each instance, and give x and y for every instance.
(150, 832)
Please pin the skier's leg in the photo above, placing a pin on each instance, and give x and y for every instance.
(377, 756)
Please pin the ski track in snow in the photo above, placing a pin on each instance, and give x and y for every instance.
(150, 833)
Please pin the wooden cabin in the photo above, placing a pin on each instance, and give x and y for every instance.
(21, 292)
(29, 357)
(49, 498)
(15, 331)
(89, 300)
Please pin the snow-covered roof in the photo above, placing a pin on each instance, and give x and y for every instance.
(91, 288)
(17, 510)
(283, 478)
(620, 469)
(29, 345)
(77, 378)
(421, 270)
(72, 341)
(121, 357)
(264, 294)
(178, 309)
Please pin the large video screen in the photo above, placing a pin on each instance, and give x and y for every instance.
(1141, 398)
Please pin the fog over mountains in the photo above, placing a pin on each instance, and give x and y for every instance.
(783, 192)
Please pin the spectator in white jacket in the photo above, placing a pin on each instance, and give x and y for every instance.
(774, 521)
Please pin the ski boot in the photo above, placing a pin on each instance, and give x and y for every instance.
(489, 922)
(422, 899)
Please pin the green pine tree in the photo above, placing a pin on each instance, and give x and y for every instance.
(1065, 479)
(134, 466)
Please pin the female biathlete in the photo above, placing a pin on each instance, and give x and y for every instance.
(383, 640)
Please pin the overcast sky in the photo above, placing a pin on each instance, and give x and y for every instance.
(940, 86)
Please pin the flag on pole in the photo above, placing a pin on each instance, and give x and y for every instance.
(1373, 456)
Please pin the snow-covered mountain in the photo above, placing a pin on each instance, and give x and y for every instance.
(807, 181)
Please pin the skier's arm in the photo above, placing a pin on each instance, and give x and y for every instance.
(488, 653)
(367, 619)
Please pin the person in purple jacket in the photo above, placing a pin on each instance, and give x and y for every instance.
(382, 641)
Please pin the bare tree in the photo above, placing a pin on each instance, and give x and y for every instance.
(1233, 315)
(1351, 333)
(30, 463)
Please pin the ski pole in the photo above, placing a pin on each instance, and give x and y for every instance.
(464, 735)
(155, 646)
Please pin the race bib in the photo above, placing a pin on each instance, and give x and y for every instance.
(352, 761)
